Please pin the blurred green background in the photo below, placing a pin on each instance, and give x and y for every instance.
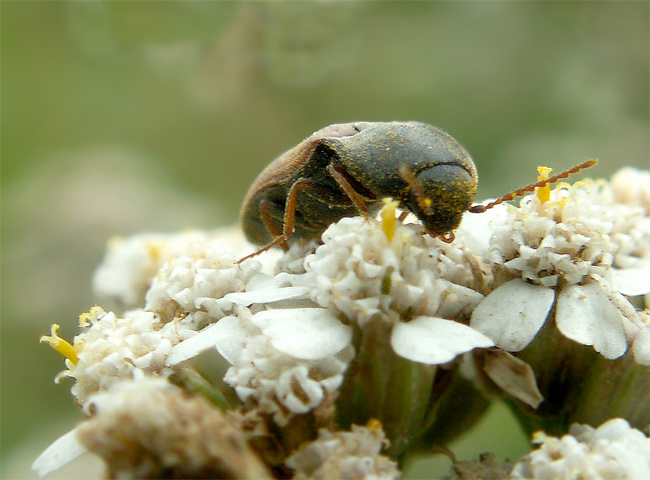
(124, 117)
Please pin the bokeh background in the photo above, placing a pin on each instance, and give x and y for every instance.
(125, 117)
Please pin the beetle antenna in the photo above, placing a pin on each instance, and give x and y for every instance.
(531, 187)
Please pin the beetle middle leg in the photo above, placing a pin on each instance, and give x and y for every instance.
(349, 190)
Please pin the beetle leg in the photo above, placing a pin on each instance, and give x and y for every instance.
(289, 217)
(447, 237)
(352, 194)
(267, 219)
(290, 207)
(409, 178)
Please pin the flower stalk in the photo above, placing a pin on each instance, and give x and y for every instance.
(581, 386)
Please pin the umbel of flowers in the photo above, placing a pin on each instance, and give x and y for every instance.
(563, 264)
(344, 357)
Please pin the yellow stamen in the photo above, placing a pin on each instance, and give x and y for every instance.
(155, 251)
(588, 181)
(543, 193)
(60, 345)
(88, 318)
(388, 218)
(374, 424)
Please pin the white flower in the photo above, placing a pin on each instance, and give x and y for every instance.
(191, 292)
(345, 455)
(196, 280)
(632, 186)
(117, 348)
(580, 251)
(62, 451)
(284, 361)
(130, 264)
(413, 281)
(613, 450)
(68, 446)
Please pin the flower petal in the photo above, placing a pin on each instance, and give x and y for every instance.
(266, 295)
(513, 313)
(513, 376)
(457, 299)
(211, 336)
(304, 333)
(475, 231)
(64, 450)
(434, 341)
(585, 315)
(632, 281)
(641, 347)
(230, 338)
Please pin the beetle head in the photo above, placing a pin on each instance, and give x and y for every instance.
(440, 194)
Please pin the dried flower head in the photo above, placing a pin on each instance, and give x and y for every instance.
(346, 455)
(151, 429)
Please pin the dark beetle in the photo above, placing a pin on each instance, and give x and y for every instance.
(346, 169)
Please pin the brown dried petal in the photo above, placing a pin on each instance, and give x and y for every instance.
(513, 376)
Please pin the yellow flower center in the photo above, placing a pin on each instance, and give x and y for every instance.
(374, 424)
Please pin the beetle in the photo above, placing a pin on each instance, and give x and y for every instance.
(346, 169)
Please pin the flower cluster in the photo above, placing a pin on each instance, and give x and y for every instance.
(280, 363)
(412, 281)
(115, 349)
(186, 295)
(579, 252)
(130, 264)
(380, 325)
(613, 450)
